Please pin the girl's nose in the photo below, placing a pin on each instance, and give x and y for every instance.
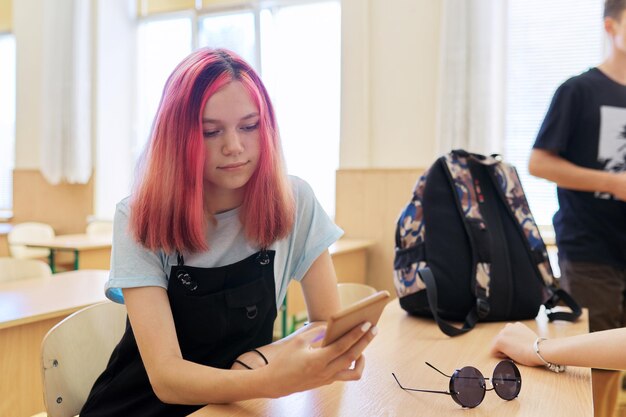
(232, 144)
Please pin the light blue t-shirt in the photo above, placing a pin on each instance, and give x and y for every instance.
(132, 265)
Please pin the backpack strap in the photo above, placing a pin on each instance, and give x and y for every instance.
(511, 192)
(446, 327)
(559, 295)
(468, 199)
(410, 232)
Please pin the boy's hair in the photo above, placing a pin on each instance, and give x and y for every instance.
(614, 8)
(167, 206)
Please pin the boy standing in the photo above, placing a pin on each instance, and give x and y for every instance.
(581, 146)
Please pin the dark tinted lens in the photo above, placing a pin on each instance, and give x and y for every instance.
(507, 381)
(467, 386)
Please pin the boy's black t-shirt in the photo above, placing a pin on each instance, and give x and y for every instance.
(586, 125)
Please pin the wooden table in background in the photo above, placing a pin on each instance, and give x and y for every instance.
(402, 346)
(90, 251)
(5, 228)
(28, 309)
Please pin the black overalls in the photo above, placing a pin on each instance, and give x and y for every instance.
(219, 313)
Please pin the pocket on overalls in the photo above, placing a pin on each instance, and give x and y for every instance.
(247, 309)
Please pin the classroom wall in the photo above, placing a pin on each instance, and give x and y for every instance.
(27, 24)
(390, 61)
(65, 206)
(390, 65)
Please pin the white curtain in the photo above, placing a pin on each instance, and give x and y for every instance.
(471, 105)
(66, 99)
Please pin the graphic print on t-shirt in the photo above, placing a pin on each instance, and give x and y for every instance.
(612, 143)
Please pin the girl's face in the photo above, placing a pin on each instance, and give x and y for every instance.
(230, 126)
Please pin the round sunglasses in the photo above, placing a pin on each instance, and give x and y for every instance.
(468, 385)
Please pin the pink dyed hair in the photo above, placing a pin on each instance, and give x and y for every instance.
(167, 206)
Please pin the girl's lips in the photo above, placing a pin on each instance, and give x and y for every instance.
(233, 166)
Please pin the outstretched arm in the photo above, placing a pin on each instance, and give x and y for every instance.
(603, 349)
(549, 165)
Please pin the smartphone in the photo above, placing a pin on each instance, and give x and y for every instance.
(367, 309)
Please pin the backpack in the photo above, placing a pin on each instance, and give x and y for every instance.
(468, 248)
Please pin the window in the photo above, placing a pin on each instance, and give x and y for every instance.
(234, 31)
(7, 120)
(547, 42)
(301, 69)
(295, 49)
(161, 45)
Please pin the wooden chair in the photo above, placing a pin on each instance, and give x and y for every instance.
(99, 227)
(12, 269)
(29, 231)
(75, 352)
(350, 293)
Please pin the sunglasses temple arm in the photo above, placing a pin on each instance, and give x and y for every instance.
(449, 376)
(418, 390)
(427, 390)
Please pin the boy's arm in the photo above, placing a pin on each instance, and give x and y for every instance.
(549, 165)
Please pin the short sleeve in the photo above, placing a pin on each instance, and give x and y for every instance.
(558, 124)
(132, 265)
(314, 231)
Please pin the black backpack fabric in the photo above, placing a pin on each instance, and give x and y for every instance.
(468, 248)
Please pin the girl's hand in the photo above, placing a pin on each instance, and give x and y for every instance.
(255, 361)
(515, 341)
(298, 366)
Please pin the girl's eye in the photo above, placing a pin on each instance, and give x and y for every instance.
(210, 133)
(250, 128)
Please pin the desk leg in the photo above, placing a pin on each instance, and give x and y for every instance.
(284, 316)
(51, 261)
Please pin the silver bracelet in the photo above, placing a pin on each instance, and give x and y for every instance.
(551, 366)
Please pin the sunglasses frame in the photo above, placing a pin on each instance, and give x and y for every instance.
(456, 376)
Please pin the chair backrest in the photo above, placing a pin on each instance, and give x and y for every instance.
(350, 293)
(75, 352)
(99, 227)
(11, 269)
(22, 232)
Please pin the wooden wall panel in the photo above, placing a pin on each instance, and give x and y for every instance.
(368, 204)
(65, 206)
(6, 16)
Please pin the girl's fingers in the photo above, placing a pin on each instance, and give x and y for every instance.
(314, 337)
(347, 341)
(354, 353)
(353, 374)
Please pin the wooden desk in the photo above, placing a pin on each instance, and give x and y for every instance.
(28, 309)
(5, 228)
(90, 251)
(402, 346)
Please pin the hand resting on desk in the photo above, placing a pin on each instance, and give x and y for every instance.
(594, 350)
